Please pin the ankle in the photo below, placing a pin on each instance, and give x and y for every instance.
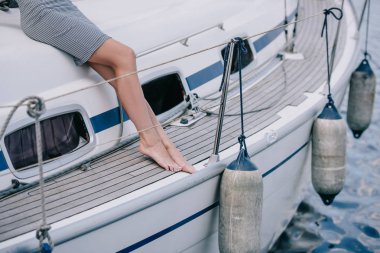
(165, 139)
(149, 138)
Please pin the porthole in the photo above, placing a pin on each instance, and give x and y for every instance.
(164, 93)
(61, 135)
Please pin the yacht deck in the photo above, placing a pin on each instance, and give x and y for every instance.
(126, 170)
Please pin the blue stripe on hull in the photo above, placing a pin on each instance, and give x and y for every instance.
(3, 162)
(198, 214)
(205, 75)
(107, 119)
(266, 39)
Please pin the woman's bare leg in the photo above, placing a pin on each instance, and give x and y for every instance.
(107, 73)
(104, 71)
(121, 60)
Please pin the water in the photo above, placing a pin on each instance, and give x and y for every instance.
(352, 222)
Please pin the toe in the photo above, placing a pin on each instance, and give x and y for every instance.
(190, 169)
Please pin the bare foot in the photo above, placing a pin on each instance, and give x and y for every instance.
(155, 149)
(179, 159)
(174, 152)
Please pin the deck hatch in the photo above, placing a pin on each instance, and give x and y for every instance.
(61, 134)
(164, 93)
(246, 58)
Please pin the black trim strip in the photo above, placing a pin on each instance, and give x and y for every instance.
(168, 230)
(284, 161)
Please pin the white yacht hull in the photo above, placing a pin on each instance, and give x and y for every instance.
(178, 213)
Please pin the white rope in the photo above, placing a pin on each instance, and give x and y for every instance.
(167, 62)
(35, 110)
(12, 112)
(41, 172)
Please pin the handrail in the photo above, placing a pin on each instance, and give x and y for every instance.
(182, 40)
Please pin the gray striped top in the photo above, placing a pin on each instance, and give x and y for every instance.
(61, 24)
